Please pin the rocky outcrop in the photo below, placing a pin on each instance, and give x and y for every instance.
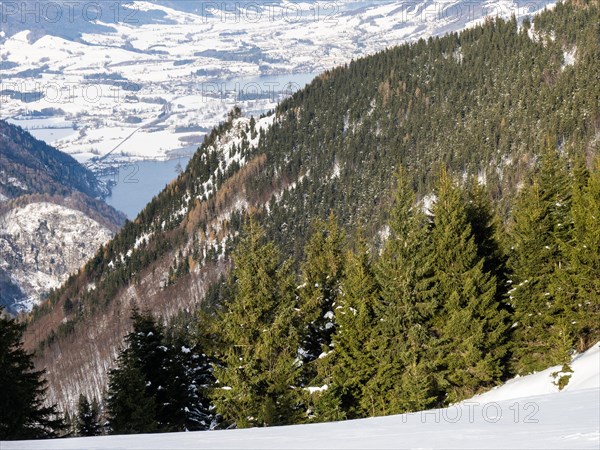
(40, 245)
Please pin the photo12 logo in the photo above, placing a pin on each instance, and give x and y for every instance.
(265, 90)
(471, 412)
(67, 12)
(65, 92)
(270, 11)
(71, 11)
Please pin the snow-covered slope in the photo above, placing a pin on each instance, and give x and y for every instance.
(526, 412)
(586, 375)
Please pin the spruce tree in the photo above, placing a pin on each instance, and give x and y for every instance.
(486, 228)
(164, 377)
(22, 397)
(540, 222)
(131, 408)
(580, 276)
(146, 344)
(190, 377)
(260, 367)
(321, 275)
(404, 339)
(351, 364)
(70, 425)
(88, 417)
(470, 321)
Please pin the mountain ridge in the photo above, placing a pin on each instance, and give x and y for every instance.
(30, 166)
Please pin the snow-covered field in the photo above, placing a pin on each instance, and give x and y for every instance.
(527, 412)
(147, 79)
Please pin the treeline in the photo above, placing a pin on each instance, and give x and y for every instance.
(157, 386)
(454, 303)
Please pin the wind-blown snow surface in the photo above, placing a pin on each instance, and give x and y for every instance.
(526, 412)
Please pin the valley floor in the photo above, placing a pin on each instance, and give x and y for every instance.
(526, 412)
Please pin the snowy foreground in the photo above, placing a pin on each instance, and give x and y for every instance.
(526, 412)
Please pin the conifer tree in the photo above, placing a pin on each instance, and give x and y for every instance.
(403, 381)
(255, 383)
(321, 275)
(470, 321)
(88, 417)
(146, 344)
(580, 276)
(22, 411)
(540, 221)
(190, 377)
(131, 408)
(162, 378)
(486, 229)
(70, 425)
(351, 364)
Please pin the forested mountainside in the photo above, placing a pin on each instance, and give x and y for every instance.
(485, 103)
(51, 217)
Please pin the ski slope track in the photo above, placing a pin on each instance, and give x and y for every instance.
(526, 412)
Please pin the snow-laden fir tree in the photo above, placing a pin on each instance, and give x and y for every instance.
(157, 384)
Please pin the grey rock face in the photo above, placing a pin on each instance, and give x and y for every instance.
(40, 245)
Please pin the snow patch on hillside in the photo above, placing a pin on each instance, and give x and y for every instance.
(586, 375)
(568, 58)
